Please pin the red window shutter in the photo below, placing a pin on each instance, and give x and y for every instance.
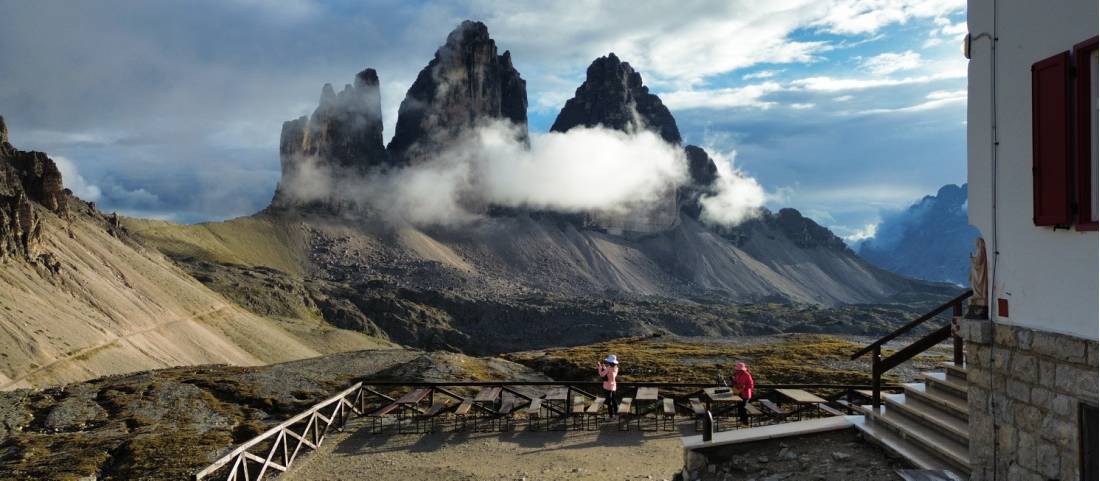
(1085, 130)
(1051, 140)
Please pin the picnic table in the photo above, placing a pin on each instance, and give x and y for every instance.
(802, 399)
(720, 395)
(646, 396)
(411, 400)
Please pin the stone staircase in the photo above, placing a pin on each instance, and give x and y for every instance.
(927, 423)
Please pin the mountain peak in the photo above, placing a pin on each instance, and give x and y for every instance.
(613, 95)
(465, 84)
(3, 131)
(343, 136)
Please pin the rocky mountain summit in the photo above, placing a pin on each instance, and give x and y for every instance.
(466, 83)
(613, 96)
(343, 136)
(26, 178)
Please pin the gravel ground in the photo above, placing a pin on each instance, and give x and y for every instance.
(832, 456)
(607, 454)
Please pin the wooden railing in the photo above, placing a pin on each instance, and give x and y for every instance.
(879, 366)
(313, 425)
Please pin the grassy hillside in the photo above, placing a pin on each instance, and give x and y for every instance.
(253, 241)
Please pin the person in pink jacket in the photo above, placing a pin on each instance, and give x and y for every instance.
(742, 381)
(610, 371)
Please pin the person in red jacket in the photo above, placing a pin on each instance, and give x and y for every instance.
(742, 381)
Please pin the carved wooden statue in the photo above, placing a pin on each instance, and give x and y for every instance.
(979, 282)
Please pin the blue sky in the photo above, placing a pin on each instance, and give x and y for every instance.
(845, 109)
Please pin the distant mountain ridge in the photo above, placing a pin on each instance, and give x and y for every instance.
(930, 240)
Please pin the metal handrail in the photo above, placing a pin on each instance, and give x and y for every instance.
(956, 302)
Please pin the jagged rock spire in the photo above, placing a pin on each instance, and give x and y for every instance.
(613, 95)
(464, 84)
(343, 137)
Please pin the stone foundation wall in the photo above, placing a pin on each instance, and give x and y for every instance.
(1024, 395)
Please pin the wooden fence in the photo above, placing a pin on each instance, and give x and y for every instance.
(307, 429)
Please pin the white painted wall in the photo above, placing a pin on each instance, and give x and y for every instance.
(1050, 278)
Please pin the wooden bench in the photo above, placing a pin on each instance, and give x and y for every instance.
(504, 414)
(534, 413)
(829, 409)
(377, 417)
(624, 413)
(697, 407)
(698, 410)
(753, 411)
(592, 414)
(462, 412)
(773, 410)
(668, 412)
(577, 411)
(430, 416)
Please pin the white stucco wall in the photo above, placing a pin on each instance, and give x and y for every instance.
(1050, 278)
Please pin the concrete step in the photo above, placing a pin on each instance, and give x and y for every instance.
(938, 381)
(931, 416)
(956, 373)
(938, 400)
(895, 443)
(948, 451)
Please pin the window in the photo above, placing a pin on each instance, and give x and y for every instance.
(1050, 131)
(1085, 60)
(1086, 439)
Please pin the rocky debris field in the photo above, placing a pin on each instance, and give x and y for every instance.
(832, 456)
(166, 424)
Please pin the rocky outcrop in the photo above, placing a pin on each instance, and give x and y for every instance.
(802, 231)
(343, 137)
(466, 84)
(613, 95)
(26, 178)
(703, 174)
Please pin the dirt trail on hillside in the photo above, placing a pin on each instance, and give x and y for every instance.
(608, 455)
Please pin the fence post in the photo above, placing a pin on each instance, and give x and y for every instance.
(876, 379)
(708, 427)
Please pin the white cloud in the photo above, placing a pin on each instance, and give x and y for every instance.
(890, 62)
(802, 106)
(678, 44)
(859, 234)
(843, 98)
(868, 16)
(747, 96)
(934, 100)
(832, 84)
(72, 179)
(739, 196)
(763, 74)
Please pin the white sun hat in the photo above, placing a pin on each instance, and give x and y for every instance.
(611, 359)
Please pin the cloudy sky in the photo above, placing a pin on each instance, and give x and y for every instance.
(845, 109)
